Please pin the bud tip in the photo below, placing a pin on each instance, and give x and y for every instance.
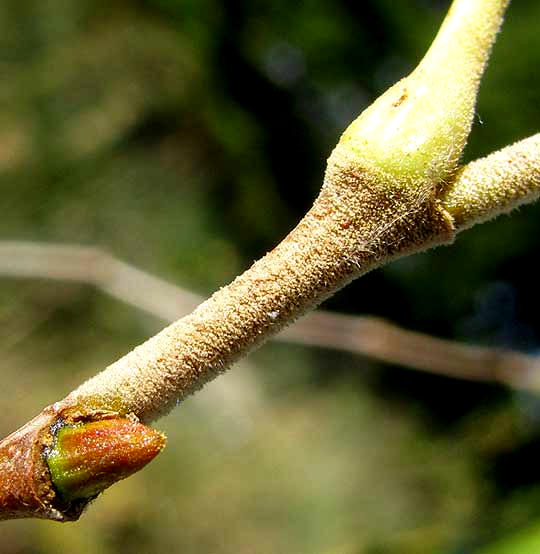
(87, 458)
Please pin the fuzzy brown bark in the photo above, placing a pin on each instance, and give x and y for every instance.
(354, 226)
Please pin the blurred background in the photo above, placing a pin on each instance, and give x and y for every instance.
(187, 137)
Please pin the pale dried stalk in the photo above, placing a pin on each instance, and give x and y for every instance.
(381, 340)
(364, 335)
(85, 264)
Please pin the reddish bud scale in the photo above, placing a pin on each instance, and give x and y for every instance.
(89, 457)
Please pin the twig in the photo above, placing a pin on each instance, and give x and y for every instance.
(495, 184)
(383, 197)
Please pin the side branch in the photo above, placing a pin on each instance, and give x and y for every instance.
(495, 184)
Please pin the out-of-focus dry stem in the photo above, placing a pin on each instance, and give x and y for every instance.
(364, 335)
(381, 340)
(85, 264)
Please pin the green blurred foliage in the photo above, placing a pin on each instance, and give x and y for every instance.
(524, 542)
(188, 137)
